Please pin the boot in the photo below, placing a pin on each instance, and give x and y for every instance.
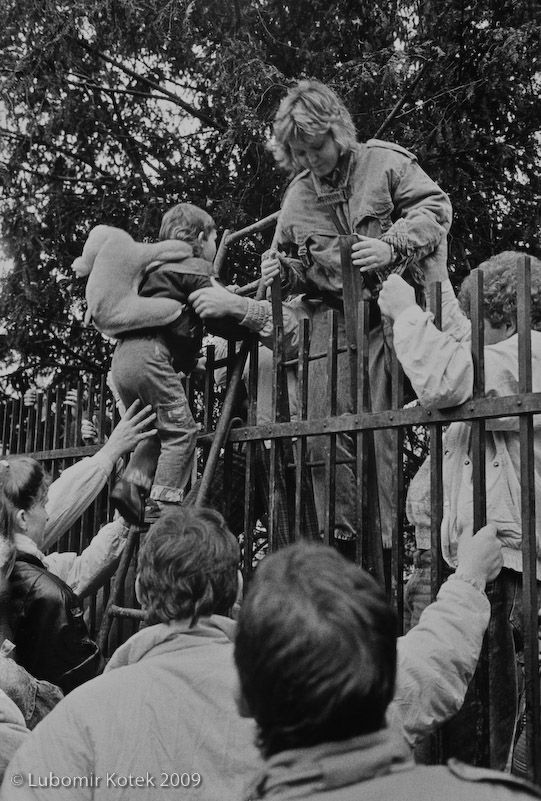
(129, 499)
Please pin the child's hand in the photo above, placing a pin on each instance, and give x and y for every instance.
(270, 266)
(370, 253)
(479, 556)
(395, 296)
(130, 431)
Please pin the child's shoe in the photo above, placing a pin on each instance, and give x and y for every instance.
(129, 499)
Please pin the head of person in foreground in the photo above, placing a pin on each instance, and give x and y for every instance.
(315, 649)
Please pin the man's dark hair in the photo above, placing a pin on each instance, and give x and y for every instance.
(315, 649)
(188, 566)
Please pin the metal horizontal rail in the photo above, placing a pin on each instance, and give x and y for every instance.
(477, 409)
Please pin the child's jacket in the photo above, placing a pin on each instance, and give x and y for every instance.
(184, 336)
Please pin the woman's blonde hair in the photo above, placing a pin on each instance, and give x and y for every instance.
(309, 109)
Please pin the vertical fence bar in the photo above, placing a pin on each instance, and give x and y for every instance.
(330, 439)
(5, 427)
(530, 604)
(14, 408)
(478, 442)
(436, 470)
(397, 401)
(20, 428)
(301, 477)
(254, 450)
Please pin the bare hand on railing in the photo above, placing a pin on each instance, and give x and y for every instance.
(72, 399)
(131, 429)
(89, 432)
(395, 296)
(270, 266)
(30, 397)
(370, 253)
(480, 557)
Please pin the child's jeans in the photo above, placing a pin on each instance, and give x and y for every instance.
(142, 369)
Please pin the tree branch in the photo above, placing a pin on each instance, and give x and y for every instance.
(200, 115)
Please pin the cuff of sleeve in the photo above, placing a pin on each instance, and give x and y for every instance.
(256, 315)
(476, 582)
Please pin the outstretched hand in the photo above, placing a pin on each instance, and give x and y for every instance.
(216, 301)
(131, 429)
(479, 556)
(395, 296)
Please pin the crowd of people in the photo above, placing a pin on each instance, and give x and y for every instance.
(298, 687)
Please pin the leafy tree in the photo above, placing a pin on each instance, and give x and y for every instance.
(116, 109)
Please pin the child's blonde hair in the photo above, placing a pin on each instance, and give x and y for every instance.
(185, 222)
(309, 109)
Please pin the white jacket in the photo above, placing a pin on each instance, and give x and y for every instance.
(440, 367)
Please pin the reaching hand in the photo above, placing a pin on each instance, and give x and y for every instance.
(479, 556)
(130, 430)
(216, 301)
(370, 253)
(395, 296)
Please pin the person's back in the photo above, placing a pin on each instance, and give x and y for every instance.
(316, 655)
(164, 712)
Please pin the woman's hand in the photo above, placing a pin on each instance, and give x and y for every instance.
(371, 254)
(131, 429)
(270, 266)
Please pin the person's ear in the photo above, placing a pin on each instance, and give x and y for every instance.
(510, 328)
(20, 520)
(138, 590)
(201, 237)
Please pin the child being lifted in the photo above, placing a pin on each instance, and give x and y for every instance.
(138, 293)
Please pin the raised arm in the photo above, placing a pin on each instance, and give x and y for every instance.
(438, 657)
(81, 483)
(438, 363)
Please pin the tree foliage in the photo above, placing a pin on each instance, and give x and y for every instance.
(115, 109)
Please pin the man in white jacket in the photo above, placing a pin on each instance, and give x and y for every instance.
(439, 365)
(164, 715)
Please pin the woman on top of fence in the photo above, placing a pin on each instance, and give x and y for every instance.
(376, 191)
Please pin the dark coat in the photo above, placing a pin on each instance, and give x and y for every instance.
(50, 635)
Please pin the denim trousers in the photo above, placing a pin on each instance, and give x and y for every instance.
(142, 370)
(382, 473)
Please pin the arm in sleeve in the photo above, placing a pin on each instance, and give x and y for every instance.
(425, 209)
(13, 733)
(438, 363)
(437, 658)
(60, 745)
(89, 571)
(74, 491)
